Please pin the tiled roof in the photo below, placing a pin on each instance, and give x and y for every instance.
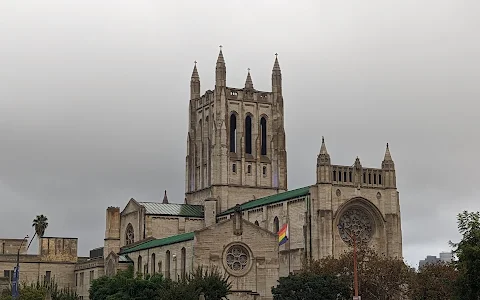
(160, 242)
(270, 200)
(173, 209)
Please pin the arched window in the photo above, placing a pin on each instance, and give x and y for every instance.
(233, 133)
(139, 262)
(264, 170)
(276, 225)
(263, 128)
(183, 263)
(167, 264)
(256, 223)
(129, 235)
(153, 263)
(249, 169)
(248, 135)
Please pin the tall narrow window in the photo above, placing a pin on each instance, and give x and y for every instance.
(167, 264)
(276, 225)
(183, 263)
(139, 262)
(335, 175)
(350, 176)
(206, 129)
(379, 179)
(153, 263)
(374, 178)
(233, 133)
(248, 135)
(263, 128)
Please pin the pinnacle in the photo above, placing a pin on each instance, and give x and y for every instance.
(165, 198)
(276, 65)
(220, 59)
(323, 148)
(248, 81)
(388, 156)
(195, 72)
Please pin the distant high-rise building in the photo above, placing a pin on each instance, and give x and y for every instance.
(445, 257)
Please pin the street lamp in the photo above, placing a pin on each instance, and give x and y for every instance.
(355, 278)
(16, 272)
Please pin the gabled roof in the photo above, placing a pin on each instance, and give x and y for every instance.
(160, 242)
(270, 200)
(173, 209)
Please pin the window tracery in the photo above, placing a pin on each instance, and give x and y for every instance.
(237, 260)
(356, 223)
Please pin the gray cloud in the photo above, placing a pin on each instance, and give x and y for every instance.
(94, 101)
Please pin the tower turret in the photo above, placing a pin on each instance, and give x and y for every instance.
(195, 84)
(276, 77)
(323, 165)
(388, 167)
(220, 70)
(248, 81)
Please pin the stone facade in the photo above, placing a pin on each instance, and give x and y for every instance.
(56, 260)
(236, 200)
(236, 141)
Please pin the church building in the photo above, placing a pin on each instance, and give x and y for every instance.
(236, 203)
(236, 198)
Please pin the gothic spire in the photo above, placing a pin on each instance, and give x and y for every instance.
(387, 162)
(195, 72)
(323, 148)
(388, 156)
(220, 70)
(248, 81)
(165, 198)
(323, 157)
(277, 79)
(195, 83)
(220, 59)
(276, 65)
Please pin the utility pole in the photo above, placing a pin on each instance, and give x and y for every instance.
(355, 276)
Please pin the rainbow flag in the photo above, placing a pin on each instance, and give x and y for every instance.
(283, 235)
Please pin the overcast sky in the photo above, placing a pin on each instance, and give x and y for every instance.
(94, 101)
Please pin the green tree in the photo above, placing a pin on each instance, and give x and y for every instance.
(379, 276)
(434, 281)
(310, 286)
(468, 254)
(124, 285)
(40, 223)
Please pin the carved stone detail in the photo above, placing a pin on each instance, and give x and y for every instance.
(237, 260)
(356, 223)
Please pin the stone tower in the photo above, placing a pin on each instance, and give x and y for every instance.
(356, 200)
(236, 141)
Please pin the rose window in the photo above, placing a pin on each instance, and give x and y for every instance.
(237, 259)
(355, 223)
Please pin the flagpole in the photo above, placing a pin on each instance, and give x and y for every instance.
(288, 245)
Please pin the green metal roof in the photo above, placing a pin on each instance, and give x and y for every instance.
(270, 200)
(173, 209)
(124, 258)
(160, 242)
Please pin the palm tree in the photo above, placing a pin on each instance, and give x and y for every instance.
(40, 223)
